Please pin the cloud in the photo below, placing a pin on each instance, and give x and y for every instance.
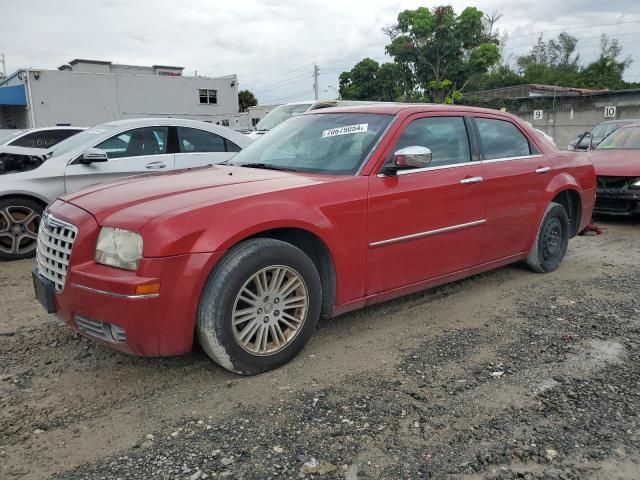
(272, 44)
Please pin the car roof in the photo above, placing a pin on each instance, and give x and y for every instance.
(408, 108)
(622, 120)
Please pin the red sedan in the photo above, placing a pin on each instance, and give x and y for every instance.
(329, 212)
(617, 164)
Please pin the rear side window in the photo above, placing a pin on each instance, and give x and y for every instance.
(44, 139)
(193, 140)
(501, 139)
(446, 137)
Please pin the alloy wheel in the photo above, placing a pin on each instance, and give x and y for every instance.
(18, 229)
(269, 310)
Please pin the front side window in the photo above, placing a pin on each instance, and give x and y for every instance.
(446, 137)
(136, 143)
(43, 139)
(623, 138)
(192, 140)
(208, 96)
(333, 143)
(501, 139)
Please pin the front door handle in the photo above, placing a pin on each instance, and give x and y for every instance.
(155, 165)
(470, 180)
(542, 170)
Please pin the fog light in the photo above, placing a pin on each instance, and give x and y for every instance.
(117, 333)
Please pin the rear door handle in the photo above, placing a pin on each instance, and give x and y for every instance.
(542, 170)
(470, 180)
(155, 165)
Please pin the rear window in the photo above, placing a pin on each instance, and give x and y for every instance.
(43, 139)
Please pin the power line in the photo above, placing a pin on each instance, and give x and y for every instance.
(293, 95)
(574, 28)
(290, 81)
(613, 35)
(267, 80)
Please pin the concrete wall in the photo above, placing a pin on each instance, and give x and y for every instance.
(567, 117)
(87, 99)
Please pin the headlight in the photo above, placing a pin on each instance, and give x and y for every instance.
(636, 184)
(119, 248)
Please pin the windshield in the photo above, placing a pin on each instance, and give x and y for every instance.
(603, 129)
(334, 143)
(626, 138)
(280, 114)
(79, 139)
(6, 137)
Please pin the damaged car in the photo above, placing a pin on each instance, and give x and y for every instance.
(330, 211)
(37, 137)
(32, 178)
(617, 163)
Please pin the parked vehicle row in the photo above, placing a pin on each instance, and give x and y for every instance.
(30, 179)
(330, 211)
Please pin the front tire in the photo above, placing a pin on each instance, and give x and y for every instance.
(259, 307)
(19, 222)
(551, 241)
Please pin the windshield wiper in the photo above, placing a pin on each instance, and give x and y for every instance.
(267, 166)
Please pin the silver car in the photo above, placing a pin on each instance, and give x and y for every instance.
(30, 179)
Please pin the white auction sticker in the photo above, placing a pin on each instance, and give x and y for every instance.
(349, 129)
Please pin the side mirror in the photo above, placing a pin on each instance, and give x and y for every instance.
(409, 157)
(93, 155)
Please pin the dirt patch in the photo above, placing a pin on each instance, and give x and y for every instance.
(505, 375)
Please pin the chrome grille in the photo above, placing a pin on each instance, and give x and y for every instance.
(101, 330)
(55, 242)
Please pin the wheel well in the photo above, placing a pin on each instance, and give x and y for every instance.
(570, 200)
(319, 254)
(26, 197)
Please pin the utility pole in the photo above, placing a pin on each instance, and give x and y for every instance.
(539, 49)
(4, 66)
(316, 72)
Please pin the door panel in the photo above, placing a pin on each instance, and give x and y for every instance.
(78, 175)
(515, 178)
(426, 223)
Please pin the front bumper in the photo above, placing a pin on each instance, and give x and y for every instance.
(100, 302)
(617, 202)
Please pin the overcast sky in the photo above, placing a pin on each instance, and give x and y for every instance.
(272, 44)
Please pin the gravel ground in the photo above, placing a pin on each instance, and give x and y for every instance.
(505, 375)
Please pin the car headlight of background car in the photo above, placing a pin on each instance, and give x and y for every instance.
(119, 248)
(636, 183)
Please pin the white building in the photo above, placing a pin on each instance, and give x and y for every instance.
(89, 92)
(253, 115)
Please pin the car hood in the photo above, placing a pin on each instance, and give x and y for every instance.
(616, 162)
(39, 152)
(134, 201)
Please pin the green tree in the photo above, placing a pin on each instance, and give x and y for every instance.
(607, 71)
(442, 50)
(246, 99)
(368, 80)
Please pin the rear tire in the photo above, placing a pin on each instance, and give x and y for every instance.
(551, 241)
(259, 307)
(19, 222)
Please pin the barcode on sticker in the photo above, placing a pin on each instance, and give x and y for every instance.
(347, 130)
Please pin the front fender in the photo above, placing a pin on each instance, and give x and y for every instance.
(337, 217)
